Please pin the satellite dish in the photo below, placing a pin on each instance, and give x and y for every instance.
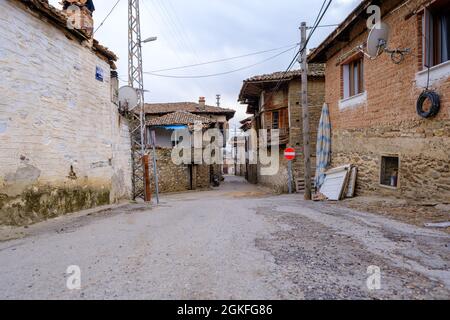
(378, 40)
(128, 97)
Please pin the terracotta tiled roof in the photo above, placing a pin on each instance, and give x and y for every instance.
(314, 70)
(178, 118)
(253, 86)
(59, 18)
(164, 108)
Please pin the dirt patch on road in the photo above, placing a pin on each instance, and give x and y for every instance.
(401, 210)
(325, 264)
(70, 223)
(250, 194)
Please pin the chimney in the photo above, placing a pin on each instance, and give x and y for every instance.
(202, 102)
(79, 15)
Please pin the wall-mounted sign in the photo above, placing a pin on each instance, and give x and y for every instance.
(99, 73)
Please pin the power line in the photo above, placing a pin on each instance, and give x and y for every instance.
(107, 16)
(317, 21)
(224, 59)
(317, 24)
(327, 26)
(180, 42)
(222, 73)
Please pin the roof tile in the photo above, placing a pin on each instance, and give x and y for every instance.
(178, 118)
(191, 107)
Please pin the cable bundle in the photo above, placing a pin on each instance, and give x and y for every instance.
(435, 104)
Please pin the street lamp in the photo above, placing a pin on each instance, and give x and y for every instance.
(152, 135)
(150, 39)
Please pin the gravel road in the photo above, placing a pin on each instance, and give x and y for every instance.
(235, 242)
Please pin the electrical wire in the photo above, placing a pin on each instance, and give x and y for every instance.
(171, 31)
(328, 26)
(222, 73)
(107, 16)
(224, 59)
(317, 21)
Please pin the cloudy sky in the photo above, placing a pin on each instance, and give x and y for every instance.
(196, 31)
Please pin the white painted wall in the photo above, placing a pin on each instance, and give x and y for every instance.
(53, 112)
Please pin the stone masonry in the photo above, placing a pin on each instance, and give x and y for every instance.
(63, 145)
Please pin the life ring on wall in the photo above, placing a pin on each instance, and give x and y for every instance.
(435, 104)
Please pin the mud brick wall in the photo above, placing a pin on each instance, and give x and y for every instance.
(63, 145)
(387, 122)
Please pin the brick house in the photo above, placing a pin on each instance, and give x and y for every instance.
(63, 145)
(375, 124)
(273, 100)
(165, 119)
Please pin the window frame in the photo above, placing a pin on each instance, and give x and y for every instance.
(382, 170)
(432, 34)
(277, 112)
(351, 69)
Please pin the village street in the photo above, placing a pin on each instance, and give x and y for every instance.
(235, 242)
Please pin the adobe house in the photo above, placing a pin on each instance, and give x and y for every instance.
(166, 120)
(63, 145)
(399, 151)
(273, 100)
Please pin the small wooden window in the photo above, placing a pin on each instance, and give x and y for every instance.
(284, 119)
(390, 166)
(436, 40)
(353, 77)
(275, 120)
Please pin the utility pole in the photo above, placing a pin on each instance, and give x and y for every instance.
(218, 96)
(235, 150)
(137, 121)
(305, 112)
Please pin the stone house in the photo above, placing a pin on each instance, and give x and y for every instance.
(169, 118)
(220, 116)
(63, 145)
(273, 100)
(374, 118)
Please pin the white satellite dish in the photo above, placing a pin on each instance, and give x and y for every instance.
(378, 39)
(128, 97)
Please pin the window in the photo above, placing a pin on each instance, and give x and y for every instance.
(353, 78)
(176, 138)
(275, 120)
(436, 34)
(278, 119)
(389, 171)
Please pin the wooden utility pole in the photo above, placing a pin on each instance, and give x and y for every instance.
(305, 109)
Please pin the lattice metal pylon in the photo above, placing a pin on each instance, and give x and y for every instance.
(137, 116)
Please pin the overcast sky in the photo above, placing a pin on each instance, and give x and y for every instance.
(195, 31)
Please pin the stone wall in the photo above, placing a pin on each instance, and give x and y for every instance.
(278, 182)
(316, 98)
(423, 150)
(291, 97)
(252, 173)
(63, 145)
(203, 177)
(387, 122)
(177, 178)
